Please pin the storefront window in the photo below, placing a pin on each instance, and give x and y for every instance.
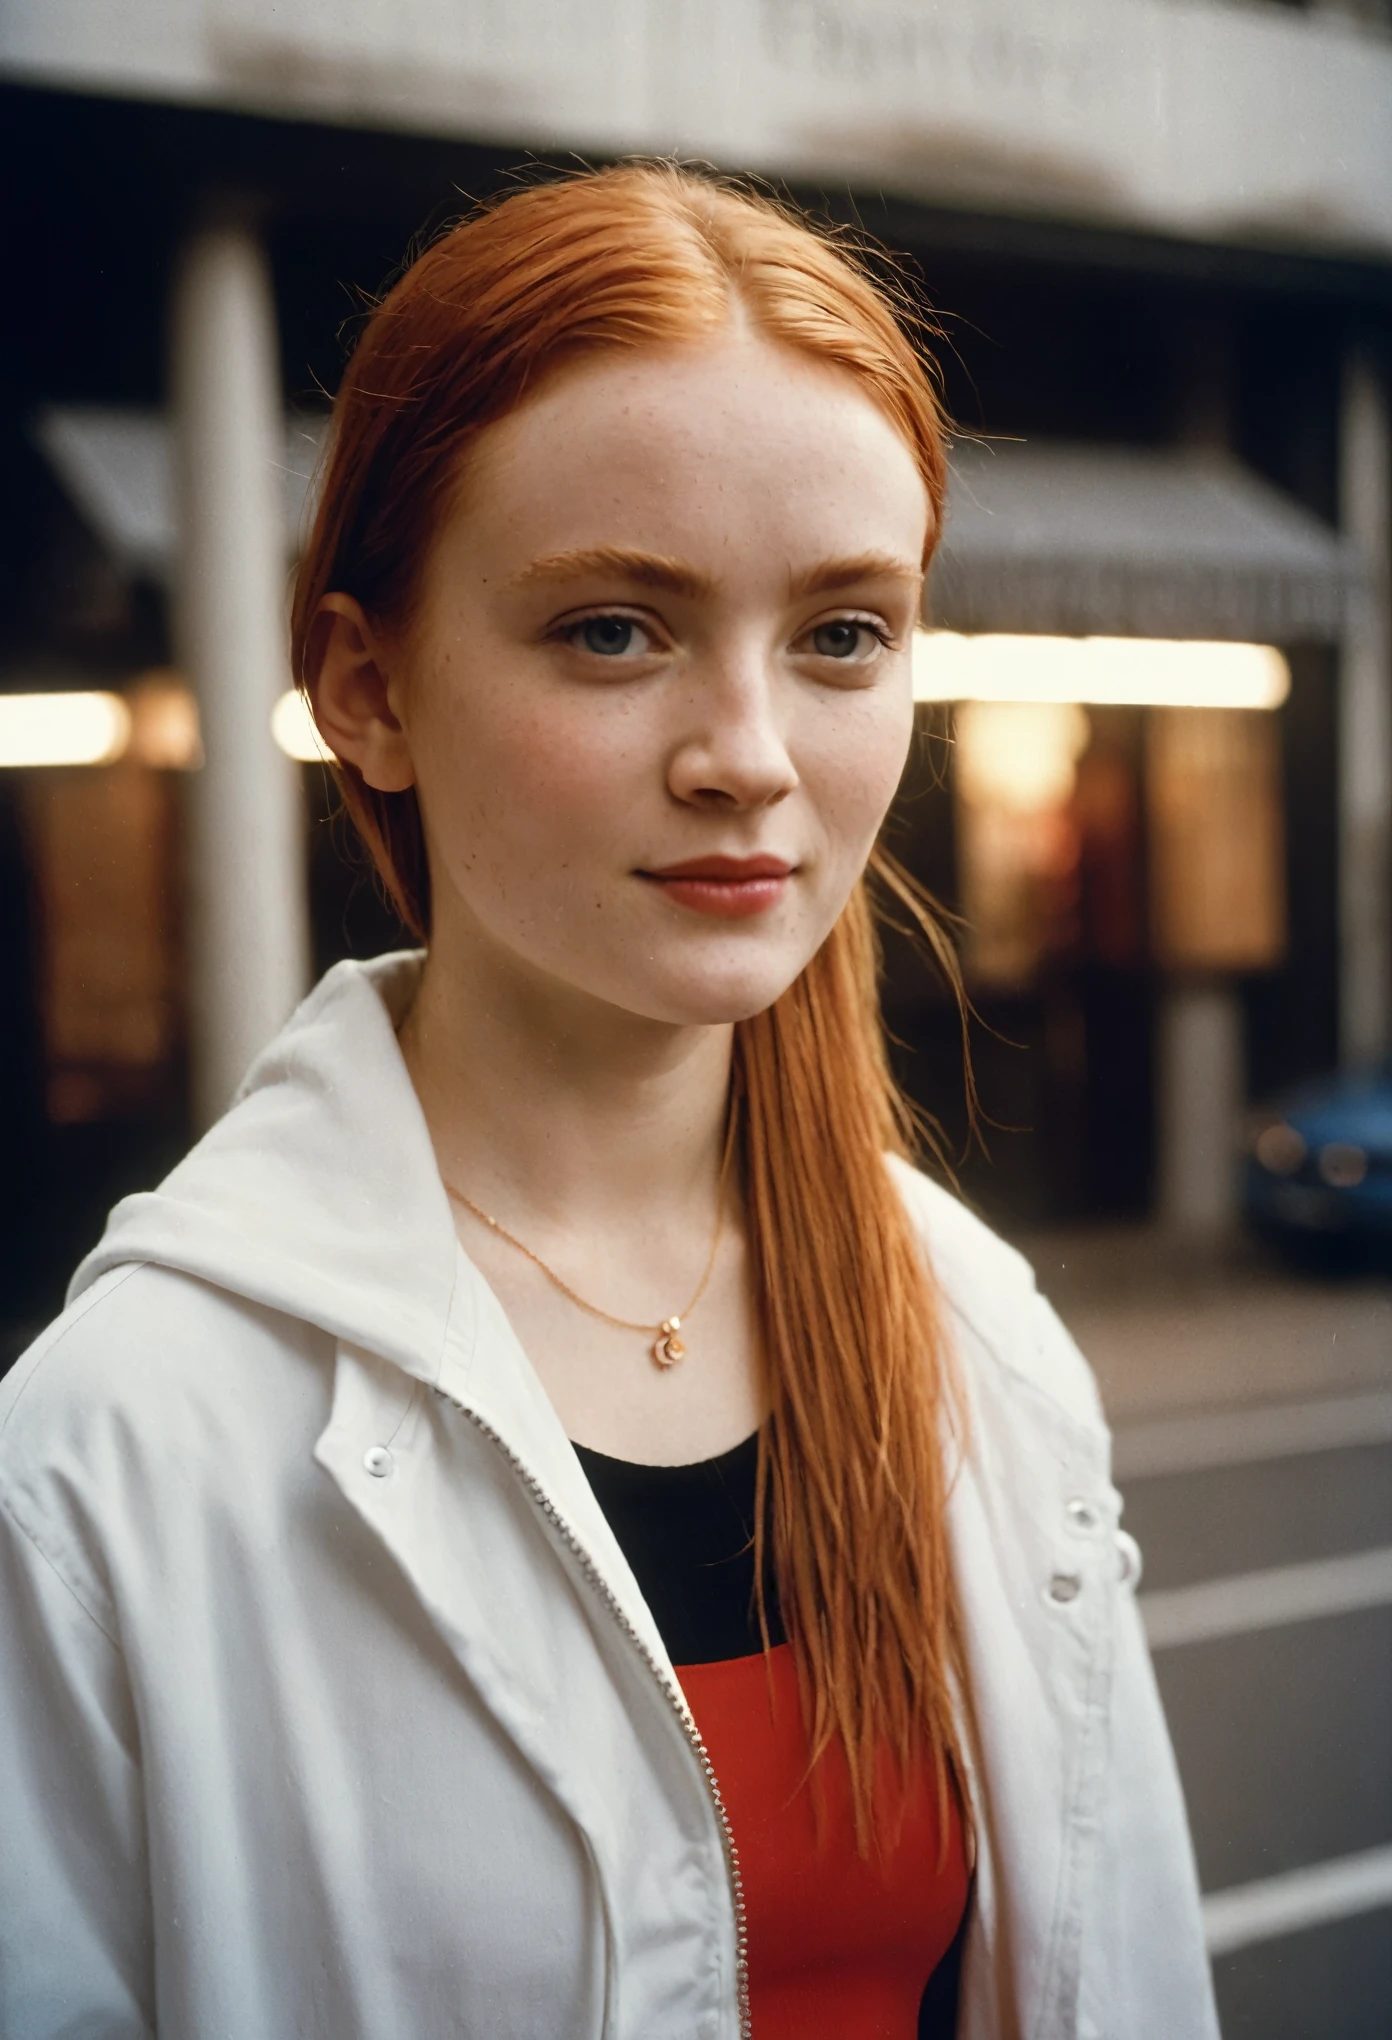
(1217, 868)
(103, 851)
(1049, 839)
(1018, 841)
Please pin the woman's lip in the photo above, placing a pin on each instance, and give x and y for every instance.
(731, 888)
(730, 899)
(724, 869)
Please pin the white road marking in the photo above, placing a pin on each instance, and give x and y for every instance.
(1214, 1438)
(1297, 1899)
(1210, 1610)
(1267, 1600)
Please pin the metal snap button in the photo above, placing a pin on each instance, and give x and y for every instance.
(1065, 1587)
(378, 1461)
(1082, 1515)
(1130, 1563)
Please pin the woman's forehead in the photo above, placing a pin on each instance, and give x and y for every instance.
(685, 453)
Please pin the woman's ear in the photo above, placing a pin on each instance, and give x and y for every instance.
(350, 691)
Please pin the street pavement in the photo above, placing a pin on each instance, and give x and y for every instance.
(1252, 1410)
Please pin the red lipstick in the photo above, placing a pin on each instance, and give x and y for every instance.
(730, 887)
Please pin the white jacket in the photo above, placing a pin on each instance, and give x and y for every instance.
(330, 1707)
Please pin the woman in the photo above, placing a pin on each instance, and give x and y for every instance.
(546, 1524)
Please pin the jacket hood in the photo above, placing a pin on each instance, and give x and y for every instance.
(318, 1192)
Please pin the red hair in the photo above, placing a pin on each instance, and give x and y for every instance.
(852, 1477)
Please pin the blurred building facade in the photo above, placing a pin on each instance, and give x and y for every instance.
(1158, 236)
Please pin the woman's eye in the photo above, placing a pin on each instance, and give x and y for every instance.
(845, 639)
(612, 637)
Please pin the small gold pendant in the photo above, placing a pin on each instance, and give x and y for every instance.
(667, 1347)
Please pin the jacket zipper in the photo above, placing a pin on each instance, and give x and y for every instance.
(689, 1729)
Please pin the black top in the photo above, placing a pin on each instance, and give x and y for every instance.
(688, 1535)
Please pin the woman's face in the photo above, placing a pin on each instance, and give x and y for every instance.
(656, 695)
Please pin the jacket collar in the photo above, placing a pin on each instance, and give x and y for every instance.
(318, 1194)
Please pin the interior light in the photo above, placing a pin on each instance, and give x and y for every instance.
(1019, 755)
(62, 729)
(296, 731)
(164, 723)
(1098, 671)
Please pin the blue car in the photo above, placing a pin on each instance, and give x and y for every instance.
(1319, 1166)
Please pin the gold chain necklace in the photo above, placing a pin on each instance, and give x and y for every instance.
(666, 1348)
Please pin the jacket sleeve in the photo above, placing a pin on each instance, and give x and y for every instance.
(1144, 1954)
(1145, 1971)
(75, 1938)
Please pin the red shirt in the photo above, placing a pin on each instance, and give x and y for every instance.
(840, 1945)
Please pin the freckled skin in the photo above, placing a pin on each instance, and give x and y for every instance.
(551, 776)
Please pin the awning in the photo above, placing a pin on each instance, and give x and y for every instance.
(1071, 540)
(118, 468)
(1122, 542)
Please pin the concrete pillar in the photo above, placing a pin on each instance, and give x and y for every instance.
(1201, 1074)
(1201, 1095)
(249, 919)
(1365, 726)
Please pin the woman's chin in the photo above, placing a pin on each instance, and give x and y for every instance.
(710, 982)
(711, 998)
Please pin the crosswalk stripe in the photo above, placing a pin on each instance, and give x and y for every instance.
(1297, 1900)
(1206, 1439)
(1267, 1600)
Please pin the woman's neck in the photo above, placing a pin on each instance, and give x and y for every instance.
(594, 1138)
(546, 1105)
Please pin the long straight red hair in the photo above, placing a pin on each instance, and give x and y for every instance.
(853, 1469)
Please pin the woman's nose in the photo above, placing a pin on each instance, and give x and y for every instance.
(735, 752)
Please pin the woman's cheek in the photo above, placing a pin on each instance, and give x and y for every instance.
(531, 773)
(568, 749)
(855, 781)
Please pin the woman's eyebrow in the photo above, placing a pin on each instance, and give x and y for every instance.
(676, 577)
(829, 575)
(624, 563)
